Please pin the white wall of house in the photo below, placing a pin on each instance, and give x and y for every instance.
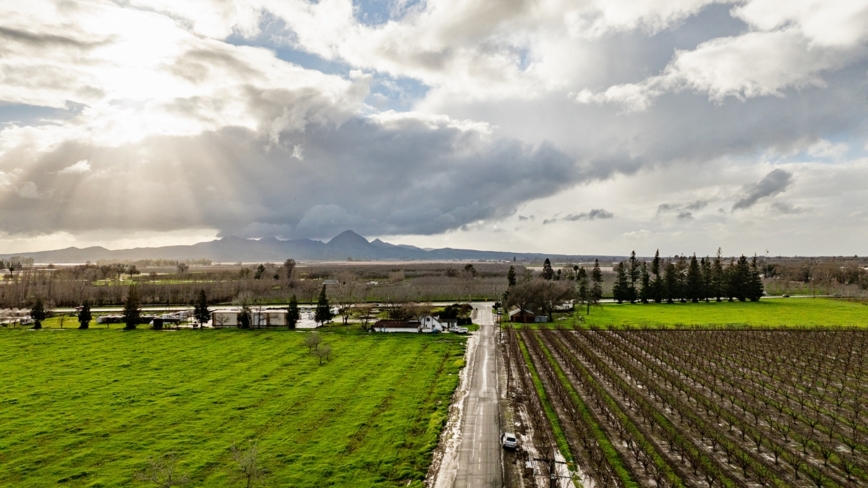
(431, 324)
(266, 318)
(412, 330)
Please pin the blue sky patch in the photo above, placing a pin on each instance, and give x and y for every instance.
(22, 114)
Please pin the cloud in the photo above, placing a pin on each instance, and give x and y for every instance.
(772, 184)
(295, 118)
(28, 191)
(789, 47)
(379, 177)
(787, 208)
(683, 209)
(594, 214)
(80, 167)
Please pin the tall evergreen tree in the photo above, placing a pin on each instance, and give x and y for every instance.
(132, 309)
(584, 289)
(681, 265)
(292, 313)
(510, 276)
(323, 311)
(38, 313)
(596, 283)
(671, 282)
(244, 317)
(694, 280)
(645, 292)
(755, 281)
(200, 309)
(718, 277)
(84, 315)
(742, 279)
(633, 274)
(621, 289)
(731, 280)
(707, 276)
(547, 271)
(657, 285)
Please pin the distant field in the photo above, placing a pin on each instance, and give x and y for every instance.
(766, 312)
(88, 408)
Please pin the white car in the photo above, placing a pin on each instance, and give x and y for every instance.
(458, 330)
(508, 440)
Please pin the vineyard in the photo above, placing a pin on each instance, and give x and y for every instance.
(685, 408)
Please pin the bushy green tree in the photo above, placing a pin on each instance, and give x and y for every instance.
(244, 317)
(200, 309)
(292, 313)
(84, 316)
(132, 309)
(38, 314)
(510, 276)
(547, 271)
(323, 311)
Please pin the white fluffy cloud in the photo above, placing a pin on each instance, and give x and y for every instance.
(445, 118)
(789, 45)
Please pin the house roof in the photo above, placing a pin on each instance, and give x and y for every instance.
(398, 324)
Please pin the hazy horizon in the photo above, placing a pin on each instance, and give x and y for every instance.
(584, 128)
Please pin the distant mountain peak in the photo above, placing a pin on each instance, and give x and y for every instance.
(348, 238)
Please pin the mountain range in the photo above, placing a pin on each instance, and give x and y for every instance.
(346, 246)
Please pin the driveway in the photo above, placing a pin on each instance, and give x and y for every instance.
(479, 452)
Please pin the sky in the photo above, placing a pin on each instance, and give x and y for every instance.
(574, 127)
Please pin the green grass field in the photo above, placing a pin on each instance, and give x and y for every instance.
(791, 312)
(89, 408)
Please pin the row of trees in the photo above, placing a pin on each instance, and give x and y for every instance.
(682, 279)
(543, 294)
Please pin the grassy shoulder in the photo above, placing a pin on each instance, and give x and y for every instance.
(772, 312)
(89, 408)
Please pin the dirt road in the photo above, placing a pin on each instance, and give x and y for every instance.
(479, 452)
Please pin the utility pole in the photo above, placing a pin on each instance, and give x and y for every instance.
(553, 473)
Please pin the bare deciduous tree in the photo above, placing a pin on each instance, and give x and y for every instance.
(312, 341)
(163, 472)
(323, 352)
(249, 469)
(363, 313)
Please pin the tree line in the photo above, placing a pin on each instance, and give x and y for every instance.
(677, 279)
(684, 280)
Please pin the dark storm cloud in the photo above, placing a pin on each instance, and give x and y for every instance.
(39, 40)
(403, 177)
(773, 183)
(594, 214)
(787, 208)
(687, 208)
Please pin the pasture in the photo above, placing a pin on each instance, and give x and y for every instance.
(769, 312)
(89, 408)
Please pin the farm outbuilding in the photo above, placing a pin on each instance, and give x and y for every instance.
(525, 317)
(258, 319)
(425, 324)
